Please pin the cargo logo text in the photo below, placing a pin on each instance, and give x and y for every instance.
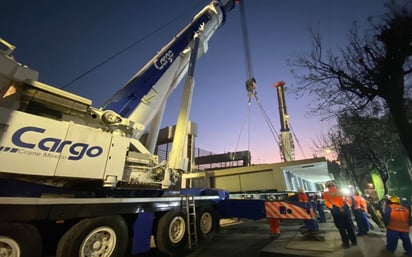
(55, 145)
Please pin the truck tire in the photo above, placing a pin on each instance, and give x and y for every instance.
(21, 240)
(171, 234)
(102, 236)
(207, 223)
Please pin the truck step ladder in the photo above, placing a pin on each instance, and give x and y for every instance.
(190, 208)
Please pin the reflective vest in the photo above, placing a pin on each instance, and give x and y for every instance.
(399, 218)
(333, 197)
(302, 197)
(348, 201)
(359, 203)
(364, 204)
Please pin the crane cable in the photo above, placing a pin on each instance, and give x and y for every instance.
(123, 50)
(249, 67)
(250, 80)
(268, 122)
(240, 133)
(249, 73)
(245, 37)
(297, 140)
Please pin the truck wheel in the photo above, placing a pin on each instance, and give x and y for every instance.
(101, 236)
(207, 223)
(20, 240)
(171, 236)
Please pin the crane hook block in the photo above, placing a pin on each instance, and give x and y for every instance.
(251, 85)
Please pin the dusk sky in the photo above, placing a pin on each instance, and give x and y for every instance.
(64, 39)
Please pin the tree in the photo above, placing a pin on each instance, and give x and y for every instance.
(372, 74)
(367, 144)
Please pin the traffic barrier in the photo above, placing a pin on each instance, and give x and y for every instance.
(285, 210)
(277, 210)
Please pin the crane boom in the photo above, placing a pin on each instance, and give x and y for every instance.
(145, 93)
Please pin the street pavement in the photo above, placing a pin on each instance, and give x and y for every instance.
(292, 243)
(253, 239)
(234, 239)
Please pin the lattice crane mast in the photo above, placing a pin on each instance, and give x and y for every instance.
(286, 145)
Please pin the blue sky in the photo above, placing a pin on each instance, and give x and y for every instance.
(64, 39)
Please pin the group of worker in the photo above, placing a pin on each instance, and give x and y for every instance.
(396, 217)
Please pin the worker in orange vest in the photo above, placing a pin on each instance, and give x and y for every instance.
(360, 210)
(303, 199)
(348, 200)
(397, 219)
(340, 211)
(302, 196)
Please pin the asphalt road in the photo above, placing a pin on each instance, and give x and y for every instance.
(244, 239)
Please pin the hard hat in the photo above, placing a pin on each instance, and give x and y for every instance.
(330, 183)
(394, 199)
(300, 190)
(387, 197)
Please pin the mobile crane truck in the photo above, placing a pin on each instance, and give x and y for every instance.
(76, 180)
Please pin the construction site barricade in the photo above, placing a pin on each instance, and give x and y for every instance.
(292, 211)
(274, 211)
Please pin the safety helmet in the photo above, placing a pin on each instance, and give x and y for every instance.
(330, 183)
(301, 190)
(395, 199)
